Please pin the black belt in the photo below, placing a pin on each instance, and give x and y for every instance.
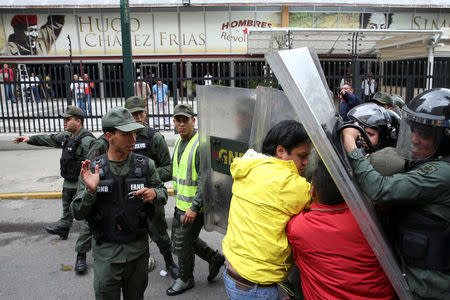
(247, 284)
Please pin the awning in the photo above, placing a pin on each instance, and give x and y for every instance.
(341, 42)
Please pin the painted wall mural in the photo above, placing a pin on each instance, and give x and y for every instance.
(212, 32)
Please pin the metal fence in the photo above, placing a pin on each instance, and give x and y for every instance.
(41, 92)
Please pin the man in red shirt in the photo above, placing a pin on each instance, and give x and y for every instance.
(333, 256)
(8, 79)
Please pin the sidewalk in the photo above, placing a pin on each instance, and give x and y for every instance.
(33, 172)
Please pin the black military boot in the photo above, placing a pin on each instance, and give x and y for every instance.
(80, 265)
(171, 266)
(63, 232)
(215, 264)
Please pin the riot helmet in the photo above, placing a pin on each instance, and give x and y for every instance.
(380, 123)
(424, 130)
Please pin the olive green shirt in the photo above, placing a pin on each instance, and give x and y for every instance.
(158, 151)
(55, 140)
(197, 202)
(425, 187)
(83, 202)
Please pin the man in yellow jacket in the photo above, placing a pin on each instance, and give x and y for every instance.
(267, 191)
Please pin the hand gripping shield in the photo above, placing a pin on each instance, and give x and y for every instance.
(299, 73)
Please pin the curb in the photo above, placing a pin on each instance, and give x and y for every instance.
(44, 195)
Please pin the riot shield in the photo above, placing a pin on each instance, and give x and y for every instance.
(299, 73)
(272, 106)
(225, 120)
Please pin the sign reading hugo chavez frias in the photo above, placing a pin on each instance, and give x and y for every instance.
(178, 33)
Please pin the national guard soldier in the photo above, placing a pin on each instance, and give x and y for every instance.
(151, 144)
(75, 142)
(116, 196)
(188, 217)
(421, 195)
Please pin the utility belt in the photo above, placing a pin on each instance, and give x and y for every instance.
(242, 283)
(424, 241)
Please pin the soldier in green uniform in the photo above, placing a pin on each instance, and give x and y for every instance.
(116, 196)
(420, 195)
(151, 144)
(75, 142)
(188, 217)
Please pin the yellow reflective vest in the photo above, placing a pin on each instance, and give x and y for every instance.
(267, 192)
(184, 174)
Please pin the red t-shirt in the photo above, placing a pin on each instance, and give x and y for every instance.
(8, 75)
(333, 256)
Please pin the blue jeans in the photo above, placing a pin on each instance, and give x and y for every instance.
(236, 293)
(37, 95)
(9, 89)
(81, 103)
(88, 103)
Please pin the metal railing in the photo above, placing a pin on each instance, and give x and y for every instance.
(41, 99)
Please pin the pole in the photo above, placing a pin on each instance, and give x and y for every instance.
(68, 74)
(128, 74)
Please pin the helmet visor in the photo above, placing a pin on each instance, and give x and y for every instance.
(417, 141)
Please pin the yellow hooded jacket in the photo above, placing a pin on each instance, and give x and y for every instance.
(267, 192)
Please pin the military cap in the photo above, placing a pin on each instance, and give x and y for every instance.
(382, 98)
(72, 111)
(135, 104)
(183, 110)
(120, 118)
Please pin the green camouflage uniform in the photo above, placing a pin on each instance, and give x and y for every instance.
(69, 187)
(425, 186)
(113, 261)
(159, 152)
(185, 239)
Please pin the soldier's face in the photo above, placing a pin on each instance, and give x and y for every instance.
(184, 126)
(139, 117)
(372, 134)
(299, 154)
(423, 142)
(121, 142)
(71, 124)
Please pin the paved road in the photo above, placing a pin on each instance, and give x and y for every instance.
(31, 261)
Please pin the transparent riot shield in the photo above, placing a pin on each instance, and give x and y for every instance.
(225, 121)
(272, 106)
(299, 73)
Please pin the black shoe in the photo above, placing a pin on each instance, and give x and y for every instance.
(179, 286)
(216, 263)
(171, 267)
(80, 265)
(63, 232)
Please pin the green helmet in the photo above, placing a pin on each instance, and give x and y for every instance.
(382, 98)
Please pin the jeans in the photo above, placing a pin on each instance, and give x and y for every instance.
(236, 293)
(81, 103)
(88, 103)
(37, 95)
(162, 108)
(9, 88)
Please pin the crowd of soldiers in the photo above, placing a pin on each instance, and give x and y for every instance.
(115, 184)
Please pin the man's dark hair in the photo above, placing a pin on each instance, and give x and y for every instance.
(327, 192)
(288, 133)
(111, 130)
(79, 118)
